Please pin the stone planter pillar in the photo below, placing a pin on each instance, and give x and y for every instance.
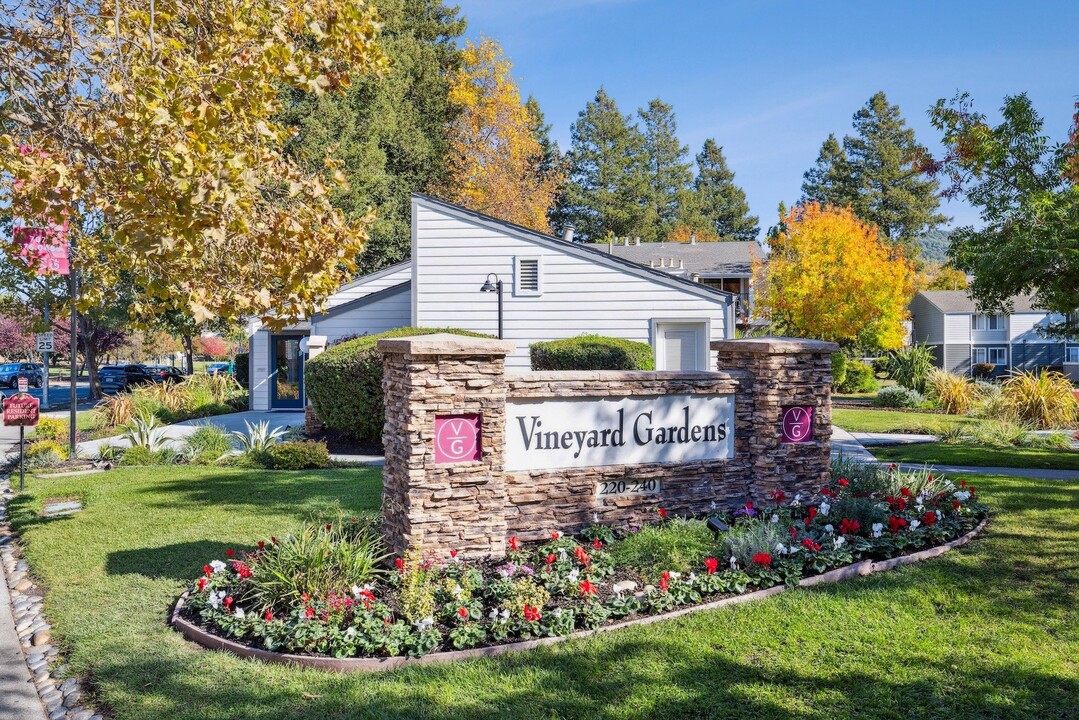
(788, 376)
(432, 500)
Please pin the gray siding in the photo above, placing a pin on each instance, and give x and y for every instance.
(1033, 355)
(927, 322)
(957, 359)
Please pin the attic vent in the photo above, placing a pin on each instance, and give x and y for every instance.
(527, 276)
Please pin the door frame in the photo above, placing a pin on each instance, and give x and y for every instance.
(659, 325)
(289, 404)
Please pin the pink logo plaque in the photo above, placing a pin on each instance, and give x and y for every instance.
(797, 424)
(457, 438)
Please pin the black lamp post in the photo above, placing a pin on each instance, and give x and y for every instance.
(495, 286)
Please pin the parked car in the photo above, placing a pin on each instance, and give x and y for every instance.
(165, 373)
(11, 372)
(117, 378)
(223, 368)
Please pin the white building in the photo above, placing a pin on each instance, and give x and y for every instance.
(552, 288)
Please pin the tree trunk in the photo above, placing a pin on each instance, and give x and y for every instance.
(87, 338)
(189, 354)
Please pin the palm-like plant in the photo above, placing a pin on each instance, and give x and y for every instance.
(259, 437)
(145, 430)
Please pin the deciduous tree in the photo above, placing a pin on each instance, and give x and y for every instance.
(495, 159)
(830, 276)
(1027, 191)
(151, 131)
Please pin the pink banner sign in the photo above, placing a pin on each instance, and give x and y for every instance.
(457, 438)
(797, 426)
(44, 248)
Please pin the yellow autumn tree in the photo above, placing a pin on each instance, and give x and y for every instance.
(829, 276)
(495, 159)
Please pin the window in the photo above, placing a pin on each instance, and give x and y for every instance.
(1071, 354)
(979, 355)
(996, 322)
(526, 274)
(986, 322)
(998, 355)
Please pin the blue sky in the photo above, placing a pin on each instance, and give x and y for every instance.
(770, 80)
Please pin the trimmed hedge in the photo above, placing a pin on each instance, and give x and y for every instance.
(344, 384)
(859, 378)
(296, 455)
(591, 352)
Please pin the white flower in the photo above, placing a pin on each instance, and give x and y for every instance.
(692, 577)
(775, 518)
(350, 633)
(829, 529)
(781, 549)
(217, 565)
(424, 624)
(797, 499)
(675, 575)
(595, 518)
(961, 495)
(824, 508)
(240, 613)
(457, 590)
(734, 562)
(561, 553)
(877, 527)
(919, 507)
(573, 575)
(714, 506)
(939, 515)
(356, 591)
(914, 525)
(839, 541)
(557, 612)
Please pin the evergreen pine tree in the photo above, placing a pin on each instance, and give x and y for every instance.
(715, 202)
(552, 160)
(669, 174)
(830, 181)
(607, 188)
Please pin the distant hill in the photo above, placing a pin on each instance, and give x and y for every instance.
(935, 244)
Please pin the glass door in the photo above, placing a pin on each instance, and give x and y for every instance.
(286, 388)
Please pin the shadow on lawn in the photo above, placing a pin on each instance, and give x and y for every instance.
(180, 561)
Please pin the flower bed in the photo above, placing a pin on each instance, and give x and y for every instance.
(324, 592)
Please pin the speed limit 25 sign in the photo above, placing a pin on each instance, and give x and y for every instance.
(457, 438)
(46, 342)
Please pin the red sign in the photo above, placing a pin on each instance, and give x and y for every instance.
(21, 410)
(45, 248)
(457, 438)
(797, 424)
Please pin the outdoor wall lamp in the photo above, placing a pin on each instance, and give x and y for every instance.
(495, 286)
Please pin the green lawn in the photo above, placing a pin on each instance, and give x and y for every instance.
(990, 631)
(859, 420)
(980, 456)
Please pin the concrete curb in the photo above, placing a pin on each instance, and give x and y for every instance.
(349, 665)
(60, 700)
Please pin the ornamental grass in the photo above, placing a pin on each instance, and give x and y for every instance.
(1045, 399)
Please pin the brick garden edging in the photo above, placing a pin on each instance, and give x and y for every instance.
(348, 665)
(61, 699)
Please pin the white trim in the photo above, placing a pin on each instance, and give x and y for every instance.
(703, 349)
(518, 291)
(415, 269)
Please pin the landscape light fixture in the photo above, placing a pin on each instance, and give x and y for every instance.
(717, 526)
(495, 286)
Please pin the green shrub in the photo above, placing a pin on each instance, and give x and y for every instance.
(207, 444)
(839, 368)
(344, 384)
(44, 447)
(139, 455)
(242, 369)
(305, 455)
(591, 352)
(910, 366)
(954, 394)
(899, 397)
(45, 459)
(50, 428)
(859, 378)
(983, 371)
(680, 545)
(745, 541)
(318, 560)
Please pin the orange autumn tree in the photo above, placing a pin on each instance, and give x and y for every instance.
(830, 276)
(495, 159)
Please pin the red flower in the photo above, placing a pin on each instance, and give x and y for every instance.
(662, 513)
(972, 490)
(399, 563)
(929, 518)
(956, 504)
(582, 556)
(812, 514)
(453, 553)
(207, 570)
(763, 559)
(849, 526)
(515, 544)
(367, 595)
(532, 613)
(268, 615)
(827, 492)
(895, 523)
(550, 559)
(262, 544)
(597, 544)
(555, 535)
(905, 492)
(930, 477)
(843, 482)
(808, 544)
(892, 466)
(230, 552)
(463, 612)
(273, 539)
(201, 584)
(778, 495)
(328, 526)
(962, 483)
(241, 569)
(305, 597)
(665, 581)
(309, 612)
(794, 532)
(228, 602)
(711, 565)
(587, 588)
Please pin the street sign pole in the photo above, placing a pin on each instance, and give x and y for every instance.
(74, 397)
(45, 355)
(22, 458)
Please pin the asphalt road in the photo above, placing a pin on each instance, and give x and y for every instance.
(59, 393)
